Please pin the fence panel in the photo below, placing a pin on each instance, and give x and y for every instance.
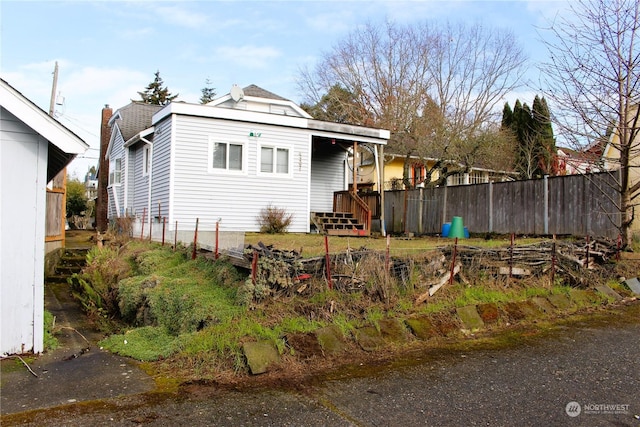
(575, 204)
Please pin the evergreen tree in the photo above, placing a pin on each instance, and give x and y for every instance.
(208, 93)
(545, 141)
(155, 93)
(536, 150)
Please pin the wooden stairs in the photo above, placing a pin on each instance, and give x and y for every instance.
(338, 224)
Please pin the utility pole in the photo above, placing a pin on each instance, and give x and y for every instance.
(54, 87)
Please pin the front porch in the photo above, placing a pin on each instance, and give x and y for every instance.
(352, 214)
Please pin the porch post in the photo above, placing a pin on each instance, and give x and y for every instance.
(355, 167)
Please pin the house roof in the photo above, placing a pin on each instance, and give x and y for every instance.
(64, 145)
(258, 92)
(134, 118)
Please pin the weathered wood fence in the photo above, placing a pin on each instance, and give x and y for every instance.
(574, 205)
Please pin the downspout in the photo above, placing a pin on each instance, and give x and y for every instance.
(149, 177)
(380, 185)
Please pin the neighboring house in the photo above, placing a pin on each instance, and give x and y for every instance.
(394, 172)
(91, 185)
(574, 162)
(611, 159)
(231, 158)
(34, 147)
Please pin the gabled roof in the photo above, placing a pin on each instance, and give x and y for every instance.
(258, 92)
(134, 118)
(255, 98)
(64, 145)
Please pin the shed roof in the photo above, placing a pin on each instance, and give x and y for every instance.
(64, 145)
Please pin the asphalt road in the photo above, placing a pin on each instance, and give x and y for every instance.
(580, 374)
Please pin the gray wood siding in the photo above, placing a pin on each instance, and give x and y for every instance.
(327, 176)
(161, 169)
(139, 185)
(117, 151)
(237, 199)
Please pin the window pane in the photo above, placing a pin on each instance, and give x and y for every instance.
(283, 161)
(235, 157)
(219, 155)
(266, 159)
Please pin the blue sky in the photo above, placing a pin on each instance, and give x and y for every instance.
(108, 51)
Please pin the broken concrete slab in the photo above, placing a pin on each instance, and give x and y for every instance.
(331, 339)
(604, 289)
(393, 330)
(421, 327)
(560, 301)
(543, 305)
(634, 285)
(469, 317)
(260, 355)
(369, 338)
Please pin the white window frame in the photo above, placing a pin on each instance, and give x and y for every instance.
(275, 148)
(226, 170)
(146, 159)
(115, 172)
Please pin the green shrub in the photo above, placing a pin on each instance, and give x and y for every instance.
(146, 344)
(274, 220)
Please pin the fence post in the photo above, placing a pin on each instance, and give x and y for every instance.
(490, 207)
(511, 255)
(553, 260)
(164, 228)
(175, 237)
(195, 240)
(587, 254)
(144, 212)
(327, 261)
(217, 231)
(150, 227)
(386, 258)
(254, 267)
(546, 204)
(453, 261)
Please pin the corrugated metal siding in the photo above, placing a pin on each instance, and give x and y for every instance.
(327, 176)
(237, 199)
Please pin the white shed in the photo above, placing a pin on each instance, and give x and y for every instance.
(34, 147)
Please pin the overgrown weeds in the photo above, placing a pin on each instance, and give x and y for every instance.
(194, 315)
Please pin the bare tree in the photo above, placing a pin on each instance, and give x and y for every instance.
(435, 87)
(593, 78)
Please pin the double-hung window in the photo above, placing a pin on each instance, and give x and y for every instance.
(115, 171)
(226, 156)
(275, 160)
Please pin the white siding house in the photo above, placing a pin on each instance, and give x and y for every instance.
(229, 159)
(34, 147)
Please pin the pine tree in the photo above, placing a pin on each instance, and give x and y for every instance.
(155, 93)
(208, 93)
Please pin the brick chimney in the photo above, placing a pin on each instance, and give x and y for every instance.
(102, 223)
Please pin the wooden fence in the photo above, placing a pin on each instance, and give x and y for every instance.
(564, 205)
(56, 209)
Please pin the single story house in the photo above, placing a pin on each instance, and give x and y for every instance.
(227, 160)
(34, 148)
